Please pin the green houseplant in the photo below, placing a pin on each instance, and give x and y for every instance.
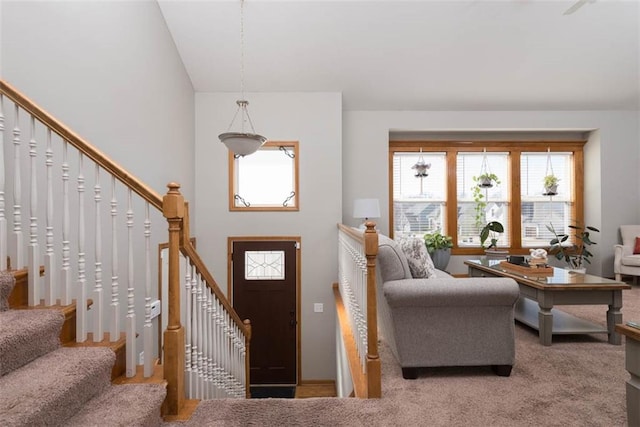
(439, 247)
(486, 180)
(550, 183)
(482, 182)
(576, 254)
(491, 231)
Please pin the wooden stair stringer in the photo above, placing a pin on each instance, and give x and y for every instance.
(20, 294)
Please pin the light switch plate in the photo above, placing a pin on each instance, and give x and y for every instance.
(155, 309)
(318, 307)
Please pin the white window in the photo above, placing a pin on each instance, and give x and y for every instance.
(479, 206)
(419, 200)
(540, 208)
(264, 265)
(266, 180)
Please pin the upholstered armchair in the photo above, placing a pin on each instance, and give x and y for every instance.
(625, 261)
(441, 320)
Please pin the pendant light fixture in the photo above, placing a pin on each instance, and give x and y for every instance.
(242, 143)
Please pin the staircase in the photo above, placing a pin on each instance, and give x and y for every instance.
(43, 382)
(81, 229)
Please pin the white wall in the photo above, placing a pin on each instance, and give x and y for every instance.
(612, 181)
(110, 71)
(314, 119)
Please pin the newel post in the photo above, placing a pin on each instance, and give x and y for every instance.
(247, 361)
(374, 380)
(173, 208)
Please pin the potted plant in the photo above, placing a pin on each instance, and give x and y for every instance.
(492, 231)
(483, 181)
(439, 247)
(486, 180)
(576, 254)
(550, 185)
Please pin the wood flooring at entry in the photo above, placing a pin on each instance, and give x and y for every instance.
(316, 389)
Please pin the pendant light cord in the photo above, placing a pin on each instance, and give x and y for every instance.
(242, 49)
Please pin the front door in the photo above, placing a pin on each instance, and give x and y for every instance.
(264, 291)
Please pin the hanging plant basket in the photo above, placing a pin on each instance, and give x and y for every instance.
(485, 182)
(551, 190)
(422, 168)
(550, 181)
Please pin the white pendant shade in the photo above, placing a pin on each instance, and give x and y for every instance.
(242, 144)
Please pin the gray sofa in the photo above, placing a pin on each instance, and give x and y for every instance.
(443, 321)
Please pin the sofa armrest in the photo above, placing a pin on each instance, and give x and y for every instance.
(619, 252)
(460, 292)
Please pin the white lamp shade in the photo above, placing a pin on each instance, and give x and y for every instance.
(242, 144)
(366, 208)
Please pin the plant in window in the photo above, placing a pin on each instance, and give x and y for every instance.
(575, 254)
(483, 182)
(491, 231)
(550, 185)
(486, 180)
(439, 247)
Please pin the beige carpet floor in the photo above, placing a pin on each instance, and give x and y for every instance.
(578, 381)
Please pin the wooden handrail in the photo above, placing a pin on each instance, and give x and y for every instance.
(358, 378)
(352, 232)
(81, 144)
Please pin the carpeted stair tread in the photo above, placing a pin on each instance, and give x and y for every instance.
(54, 387)
(123, 405)
(7, 282)
(26, 335)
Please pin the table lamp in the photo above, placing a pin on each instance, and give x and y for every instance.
(366, 209)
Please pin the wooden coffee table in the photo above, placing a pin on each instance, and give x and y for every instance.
(562, 288)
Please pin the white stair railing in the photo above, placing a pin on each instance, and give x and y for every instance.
(356, 303)
(217, 341)
(71, 248)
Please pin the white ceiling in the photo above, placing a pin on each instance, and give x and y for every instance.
(418, 55)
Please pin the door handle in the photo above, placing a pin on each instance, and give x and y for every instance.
(292, 323)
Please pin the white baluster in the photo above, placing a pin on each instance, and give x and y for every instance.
(205, 344)
(51, 288)
(3, 220)
(148, 326)
(114, 330)
(81, 299)
(131, 314)
(65, 274)
(34, 252)
(194, 338)
(17, 243)
(200, 337)
(210, 345)
(216, 348)
(187, 323)
(98, 303)
(221, 347)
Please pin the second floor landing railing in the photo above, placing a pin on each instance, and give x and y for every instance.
(356, 305)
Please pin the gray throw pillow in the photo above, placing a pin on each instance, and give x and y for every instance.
(418, 258)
